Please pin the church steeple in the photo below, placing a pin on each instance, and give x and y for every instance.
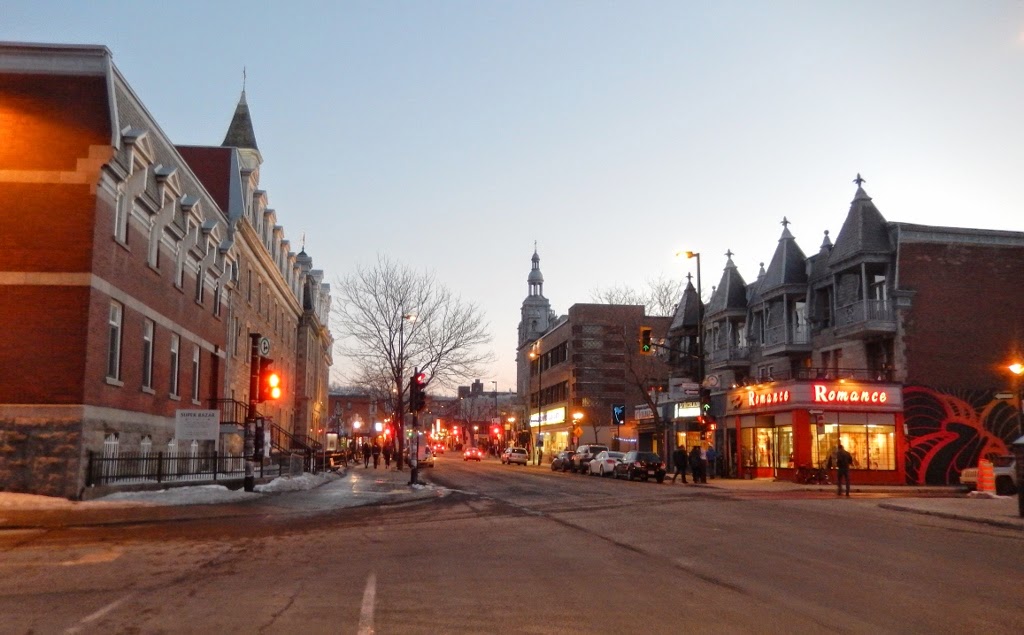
(536, 316)
(240, 132)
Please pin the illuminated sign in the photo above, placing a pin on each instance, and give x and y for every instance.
(686, 409)
(554, 415)
(825, 394)
(769, 398)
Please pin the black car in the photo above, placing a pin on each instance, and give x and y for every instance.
(642, 465)
(562, 461)
(584, 453)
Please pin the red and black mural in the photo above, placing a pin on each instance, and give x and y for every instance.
(949, 431)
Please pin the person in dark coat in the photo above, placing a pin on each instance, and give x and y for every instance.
(697, 465)
(679, 461)
(375, 450)
(843, 462)
(366, 454)
(388, 451)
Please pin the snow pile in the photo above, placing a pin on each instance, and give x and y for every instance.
(198, 495)
(297, 483)
(10, 500)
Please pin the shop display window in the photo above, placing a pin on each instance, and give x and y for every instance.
(872, 446)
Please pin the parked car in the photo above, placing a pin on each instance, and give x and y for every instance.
(427, 461)
(642, 465)
(562, 461)
(472, 454)
(584, 455)
(1005, 469)
(515, 455)
(604, 463)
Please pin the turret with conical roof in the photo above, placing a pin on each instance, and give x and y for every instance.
(865, 233)
(240, 132)
(536, 316)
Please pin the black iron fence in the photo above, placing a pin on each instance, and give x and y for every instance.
(161, 467)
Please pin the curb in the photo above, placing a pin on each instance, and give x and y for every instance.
(1004, 524)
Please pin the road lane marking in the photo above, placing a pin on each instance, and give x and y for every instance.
(97, 615)
(366, 611)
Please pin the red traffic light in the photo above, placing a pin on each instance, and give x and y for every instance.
(270, 381)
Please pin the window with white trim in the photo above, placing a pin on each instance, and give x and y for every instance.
(114, 341)
(121, 206)
(195, 373)
(199, 285)
(179, 272)
(148, 329)
(175, 345)
(217, 297)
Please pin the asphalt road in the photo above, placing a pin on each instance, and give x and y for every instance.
(517, 550)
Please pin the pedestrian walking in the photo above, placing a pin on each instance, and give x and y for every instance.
(697, 465)
(366, 455)
(388, 451)
(843, 462)
(375, 451)
(679, 461)
(712, 461)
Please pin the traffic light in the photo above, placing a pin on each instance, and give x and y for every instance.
(496, 431)
(646, 347)
(417, 392)
(270, 381)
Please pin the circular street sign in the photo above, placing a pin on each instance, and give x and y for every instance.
(264, 346)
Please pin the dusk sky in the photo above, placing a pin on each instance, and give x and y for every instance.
(451, 135)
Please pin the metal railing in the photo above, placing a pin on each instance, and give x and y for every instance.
(159, 467)
(865, 311)
(786, 334)
(859, 374)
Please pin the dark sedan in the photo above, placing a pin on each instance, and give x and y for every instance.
(562, 461)
(641, 465)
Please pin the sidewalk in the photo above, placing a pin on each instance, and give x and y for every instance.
(352, 488)
(359, 486)
(932, 500)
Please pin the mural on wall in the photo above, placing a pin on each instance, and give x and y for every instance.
(949, 431)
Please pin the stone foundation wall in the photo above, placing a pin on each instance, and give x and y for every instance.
(41, 456)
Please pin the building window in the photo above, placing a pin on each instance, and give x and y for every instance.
(199, 285)
(175, 344)
(146, 445)
(195, 374)
(248, 286)
(154, 247)
(121, 218)
(179, 271)
(114, 341)
(147, 353)
(217, 293)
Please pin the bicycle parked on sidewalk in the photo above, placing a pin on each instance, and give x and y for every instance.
(807, 475)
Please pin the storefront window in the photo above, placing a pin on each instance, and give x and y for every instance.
(784, 446)
(872, 446)
(687, 440)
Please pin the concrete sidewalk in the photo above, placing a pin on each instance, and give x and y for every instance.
(361, 486)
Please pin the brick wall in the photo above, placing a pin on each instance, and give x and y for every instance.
(967, 316)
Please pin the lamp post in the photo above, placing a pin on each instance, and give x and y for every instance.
(535, 355)
(406, 317)
(577, 417)
(1017, 369)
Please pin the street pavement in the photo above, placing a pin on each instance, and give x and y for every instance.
(360, 486)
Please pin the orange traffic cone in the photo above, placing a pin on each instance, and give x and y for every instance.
(986, 476)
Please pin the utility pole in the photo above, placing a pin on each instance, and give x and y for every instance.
(249, 446)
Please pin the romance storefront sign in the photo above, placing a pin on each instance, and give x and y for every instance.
(833, 395)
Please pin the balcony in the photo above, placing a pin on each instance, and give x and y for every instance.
(866, 318)
(727, 357)
(784, 339)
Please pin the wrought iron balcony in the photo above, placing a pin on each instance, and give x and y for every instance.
(866, 318)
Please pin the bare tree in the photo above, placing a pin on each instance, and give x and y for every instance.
(392, 319)
(659, 296)
(648, 374)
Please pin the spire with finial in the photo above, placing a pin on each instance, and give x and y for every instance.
(860, 180)
(240, 131)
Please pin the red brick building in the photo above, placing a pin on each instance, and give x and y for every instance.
(124, 276)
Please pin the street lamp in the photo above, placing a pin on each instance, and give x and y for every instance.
(535, 355)
(1017, 369)
(576, 418)
(406, 317)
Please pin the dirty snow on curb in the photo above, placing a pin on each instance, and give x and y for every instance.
(196, 495)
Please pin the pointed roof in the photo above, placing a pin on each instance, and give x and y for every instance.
(731, 292)
(688, 310)
(240, 133)
(788, 265)
(819, 262)
(754, 288)
(865, 231)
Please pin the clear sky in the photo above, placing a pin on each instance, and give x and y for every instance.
(450, 135)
